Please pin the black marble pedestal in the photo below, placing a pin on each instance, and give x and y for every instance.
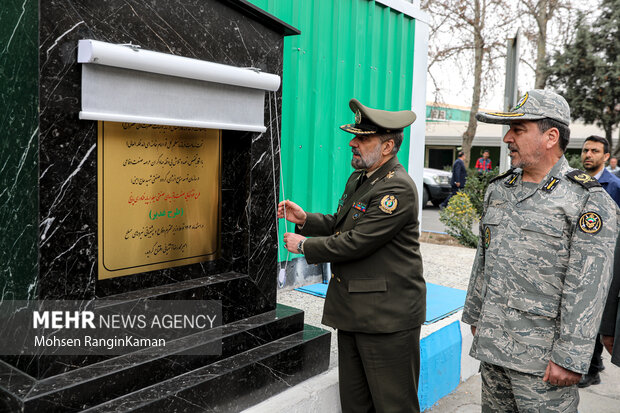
(48, 207)
(261, 355)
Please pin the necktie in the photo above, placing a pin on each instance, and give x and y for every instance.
(361, 180)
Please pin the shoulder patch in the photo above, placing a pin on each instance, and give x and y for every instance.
(504, 175)
(590, 222)
(388, 204)
(583, 179)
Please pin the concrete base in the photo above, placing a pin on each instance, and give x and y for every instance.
(320, 393)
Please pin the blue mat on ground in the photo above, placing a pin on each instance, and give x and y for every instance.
(319, 289)
(440, 364)
(440, 301)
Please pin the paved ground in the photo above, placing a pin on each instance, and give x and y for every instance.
(602, 398)
(430, 220)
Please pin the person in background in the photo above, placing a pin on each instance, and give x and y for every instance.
(459, 175)
(483, 164)
(613, 166)
(594, 154)
(543, 265)
(610, 323)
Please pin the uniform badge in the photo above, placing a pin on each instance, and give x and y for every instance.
(388, 204)
(358, 117)
(583, 178)
(512, 179)
(356, 216)
(487, 237)
(360, 206)
(590, 222)
(521, 102)
(390, 175)
(551, 184)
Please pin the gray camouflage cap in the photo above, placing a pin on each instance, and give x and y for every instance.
(534, 105)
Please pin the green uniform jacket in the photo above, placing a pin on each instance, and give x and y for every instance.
(372, 243)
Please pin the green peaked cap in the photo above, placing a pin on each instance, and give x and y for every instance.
(369, 121)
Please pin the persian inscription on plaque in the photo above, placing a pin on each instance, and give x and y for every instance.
(159, 197)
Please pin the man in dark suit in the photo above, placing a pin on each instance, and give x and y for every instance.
(594, 155)
(459, 175)
(610, 323)
(376, 296)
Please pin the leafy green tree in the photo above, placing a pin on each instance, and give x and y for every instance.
(587, 72)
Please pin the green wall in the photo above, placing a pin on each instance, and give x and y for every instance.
(347, 48)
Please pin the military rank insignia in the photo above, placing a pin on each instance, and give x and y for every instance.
(512, 180)
(360, 206)
(590, 222)
(388, 204)
(551, 184)
(582, 179)
(390, 175)
(487, 237)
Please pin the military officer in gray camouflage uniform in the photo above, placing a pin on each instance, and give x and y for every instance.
(543, 265)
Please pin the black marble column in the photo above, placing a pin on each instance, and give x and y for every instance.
(48, 204)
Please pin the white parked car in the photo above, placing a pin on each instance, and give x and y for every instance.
(436, 186)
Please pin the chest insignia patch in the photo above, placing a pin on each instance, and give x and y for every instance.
(590, 222)
(487, 237)
(551, 184)
(390, 175)
(388, 204)
(512, 180)
(360, 206)
(356, 216)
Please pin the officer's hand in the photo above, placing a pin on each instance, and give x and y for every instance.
(294, 213)
(559, 376)
(608, 342)
(291, 241)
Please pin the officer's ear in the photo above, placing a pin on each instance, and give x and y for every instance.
(387, 147)
(553, 137)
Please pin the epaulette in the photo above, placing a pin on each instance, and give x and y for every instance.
(504, 175)
(582, 179)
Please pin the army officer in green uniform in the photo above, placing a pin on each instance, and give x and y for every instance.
(377, 296)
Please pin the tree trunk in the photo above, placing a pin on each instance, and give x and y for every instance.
(541, 44)
(608, 130)
(470, 132)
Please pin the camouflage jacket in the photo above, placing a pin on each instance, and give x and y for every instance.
(542, 270)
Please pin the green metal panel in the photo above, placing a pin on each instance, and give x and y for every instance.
(347, 48)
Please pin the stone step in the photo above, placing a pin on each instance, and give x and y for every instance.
(232, 289)
(114, 377)
(235, 383)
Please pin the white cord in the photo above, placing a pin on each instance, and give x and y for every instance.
(282, 272)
